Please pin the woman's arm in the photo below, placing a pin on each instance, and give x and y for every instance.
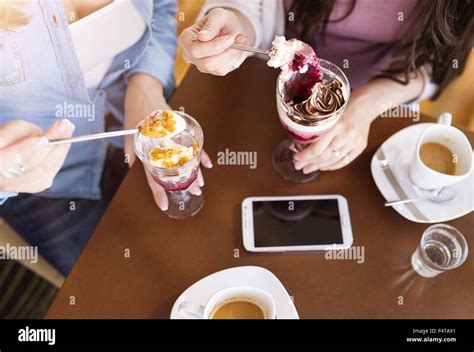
(152, 78)
(159, 57)
(381, 94)
(348, 138)
(145, 94)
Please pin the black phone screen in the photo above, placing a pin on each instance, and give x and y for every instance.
(297, 223)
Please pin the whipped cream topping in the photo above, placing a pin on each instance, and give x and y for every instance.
(169, 156)
(324, 100)
(160, 127)
(291, 55)
(283, 51)
(162, 124)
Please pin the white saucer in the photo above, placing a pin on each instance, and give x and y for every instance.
(254, 276)
(390, 166)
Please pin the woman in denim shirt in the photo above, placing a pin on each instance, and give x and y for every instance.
(42, 81)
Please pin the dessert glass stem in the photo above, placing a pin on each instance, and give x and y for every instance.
(183, 205)
(298, 147)
(283, 162)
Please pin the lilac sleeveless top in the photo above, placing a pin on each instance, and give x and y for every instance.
(365, 42)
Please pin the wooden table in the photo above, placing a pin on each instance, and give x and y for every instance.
(238, 112)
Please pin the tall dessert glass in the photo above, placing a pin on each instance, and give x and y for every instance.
(176, 180)
(301, 127)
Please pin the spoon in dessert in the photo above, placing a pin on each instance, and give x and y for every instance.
(284, 53)
(91, 137)
(153, 126)
(444, 194)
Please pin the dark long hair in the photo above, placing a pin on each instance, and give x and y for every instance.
(442, 36)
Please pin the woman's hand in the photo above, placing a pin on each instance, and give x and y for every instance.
(144, 95)
(27, 165)
(206, 44)
(341, 144)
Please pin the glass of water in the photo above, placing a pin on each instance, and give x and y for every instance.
(442, 247)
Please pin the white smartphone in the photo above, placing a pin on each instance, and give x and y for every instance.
(296, 223)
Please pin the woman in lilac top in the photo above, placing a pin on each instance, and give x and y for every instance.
(393, 52)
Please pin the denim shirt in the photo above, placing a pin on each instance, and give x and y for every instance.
(41, 81)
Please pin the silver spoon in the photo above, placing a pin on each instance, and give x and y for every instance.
(91, 137)
(250, 49)
(444, 194)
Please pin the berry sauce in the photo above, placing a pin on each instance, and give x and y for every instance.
(299, 87)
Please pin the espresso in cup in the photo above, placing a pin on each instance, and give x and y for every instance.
(442, 157)
(237, 308)
(237, 302)
(439, 158)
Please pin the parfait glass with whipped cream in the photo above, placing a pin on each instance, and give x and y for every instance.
(169, 145)
(311, 96)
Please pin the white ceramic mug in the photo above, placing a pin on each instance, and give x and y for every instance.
(258, 296)
(452, 138)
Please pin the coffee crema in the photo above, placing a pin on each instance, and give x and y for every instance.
(237, 308)
(439, 158)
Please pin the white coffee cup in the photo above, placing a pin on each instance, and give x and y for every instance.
(255, 295)
(452, 138)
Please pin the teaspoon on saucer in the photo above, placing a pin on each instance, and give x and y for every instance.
(444, 194)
